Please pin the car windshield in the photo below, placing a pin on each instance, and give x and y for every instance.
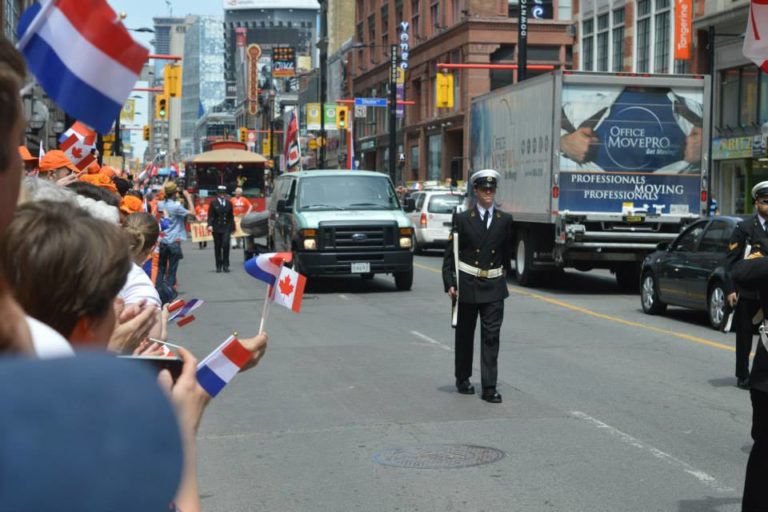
(348, 192)
(444, 203)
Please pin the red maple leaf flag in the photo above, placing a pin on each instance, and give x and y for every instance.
(756, 35)
(290, 289)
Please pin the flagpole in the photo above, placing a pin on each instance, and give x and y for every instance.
(35, 24)
(265, 310)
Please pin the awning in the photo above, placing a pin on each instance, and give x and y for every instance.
(236, 156)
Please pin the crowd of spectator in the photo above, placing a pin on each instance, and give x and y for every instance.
(76, 251)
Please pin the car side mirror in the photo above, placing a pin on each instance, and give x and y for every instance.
(662, 246)
(409, 205)
(282, 206)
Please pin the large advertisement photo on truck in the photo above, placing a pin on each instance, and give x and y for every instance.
(625, 147)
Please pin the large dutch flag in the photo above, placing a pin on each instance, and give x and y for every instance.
(82, 55)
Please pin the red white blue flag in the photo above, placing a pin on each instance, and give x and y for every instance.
(266, 267)
(215, 371)
(83, 56)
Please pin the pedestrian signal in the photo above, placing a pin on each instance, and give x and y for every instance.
(161, 107)
(146, 132)
(243, 134)
(341, 117)
(444, 90)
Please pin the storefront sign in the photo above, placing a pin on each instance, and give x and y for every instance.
(734, 147)
(254, 52)
(683, 24)
(283, 62)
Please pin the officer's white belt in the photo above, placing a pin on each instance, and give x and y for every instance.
(477, 272)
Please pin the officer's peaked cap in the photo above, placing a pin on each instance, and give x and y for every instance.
(485, 178)
(761, 189)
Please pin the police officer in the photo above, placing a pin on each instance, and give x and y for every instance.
(485, 249)
(748, 266)
(221, 222)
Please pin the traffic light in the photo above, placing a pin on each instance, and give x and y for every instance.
(161, 107)
(172, 80)
(341, 117)
(444, 90)
(146, 132)
(107, 149)
(243, 134)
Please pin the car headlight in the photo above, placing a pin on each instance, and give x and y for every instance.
(406, 238)
(310, 242)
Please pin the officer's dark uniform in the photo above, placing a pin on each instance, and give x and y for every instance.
(751, 274)
(483, 249)
(222, 221)
(749, 231)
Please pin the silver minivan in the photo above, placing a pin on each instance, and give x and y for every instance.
(341, 223)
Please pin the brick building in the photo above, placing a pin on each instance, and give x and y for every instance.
(432, 143)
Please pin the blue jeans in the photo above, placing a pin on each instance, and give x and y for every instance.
(170, 255)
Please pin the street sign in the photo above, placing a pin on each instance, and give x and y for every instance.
(370, 102)
(361, 111)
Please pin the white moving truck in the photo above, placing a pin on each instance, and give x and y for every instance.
(597, 168)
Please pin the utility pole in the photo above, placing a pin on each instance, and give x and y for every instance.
(393, 112)
(323, 47)
(522, 40)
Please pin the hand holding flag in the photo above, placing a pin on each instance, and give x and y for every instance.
(266, 267)
(220, 366)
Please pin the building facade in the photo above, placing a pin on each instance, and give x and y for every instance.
(203, 86)
(433, 143)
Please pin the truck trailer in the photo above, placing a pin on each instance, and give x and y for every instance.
(596, 169)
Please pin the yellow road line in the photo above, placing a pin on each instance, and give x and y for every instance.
(589, 312)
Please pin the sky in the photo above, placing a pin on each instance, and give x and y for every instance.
(139, 14)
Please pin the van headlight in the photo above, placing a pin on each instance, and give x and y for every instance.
(406, 238)
(309, 241)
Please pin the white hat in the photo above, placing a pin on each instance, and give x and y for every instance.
(221, 188)
(487, 177)
(761, 189)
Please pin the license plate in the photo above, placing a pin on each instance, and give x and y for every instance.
(361, 268)
(633, 218)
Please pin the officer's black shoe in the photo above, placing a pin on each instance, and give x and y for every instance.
(491, 395)
(226, 269)
(218, 270)
(743, 383)
(465, 387)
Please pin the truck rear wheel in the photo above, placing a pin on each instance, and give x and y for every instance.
(526, 276)
(404, 280)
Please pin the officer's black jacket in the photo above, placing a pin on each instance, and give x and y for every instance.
(749, 231)
(221, 218)
(481, 248)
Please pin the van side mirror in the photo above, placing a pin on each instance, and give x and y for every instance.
(282, 206)
(410, 205)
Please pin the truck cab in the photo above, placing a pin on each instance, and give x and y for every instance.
(342, 223)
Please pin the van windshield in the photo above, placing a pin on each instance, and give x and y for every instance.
(348, 192)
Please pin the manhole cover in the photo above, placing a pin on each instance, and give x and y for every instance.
(438, 456)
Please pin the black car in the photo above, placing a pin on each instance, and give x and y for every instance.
(690, 272)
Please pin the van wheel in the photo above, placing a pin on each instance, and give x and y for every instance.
(404, 280)
(526, 276)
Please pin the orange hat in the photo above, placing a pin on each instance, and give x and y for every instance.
(26, 155)
(56, 159)
(93, 168)
(109, 171)
(131, 204)
(99, 180)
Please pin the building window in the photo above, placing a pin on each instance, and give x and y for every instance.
(729, 97)
(564, 10)
(435, 157)
(654, 36)
(372, 29)
(618, 39)
(602, 42)
(415, 18)
(434, 13)
(662, 36)
(587, 45)
(644, 36)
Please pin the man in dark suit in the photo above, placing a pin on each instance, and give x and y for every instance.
(748, 266)
(485, 248)
(221, 221)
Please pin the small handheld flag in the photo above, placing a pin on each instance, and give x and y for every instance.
(183, 312)
(266, 267)
(220, 366)
(289, 291)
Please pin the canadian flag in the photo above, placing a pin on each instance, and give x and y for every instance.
(77, 143)
(756, 36)
(289, 290)
(292, 148)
